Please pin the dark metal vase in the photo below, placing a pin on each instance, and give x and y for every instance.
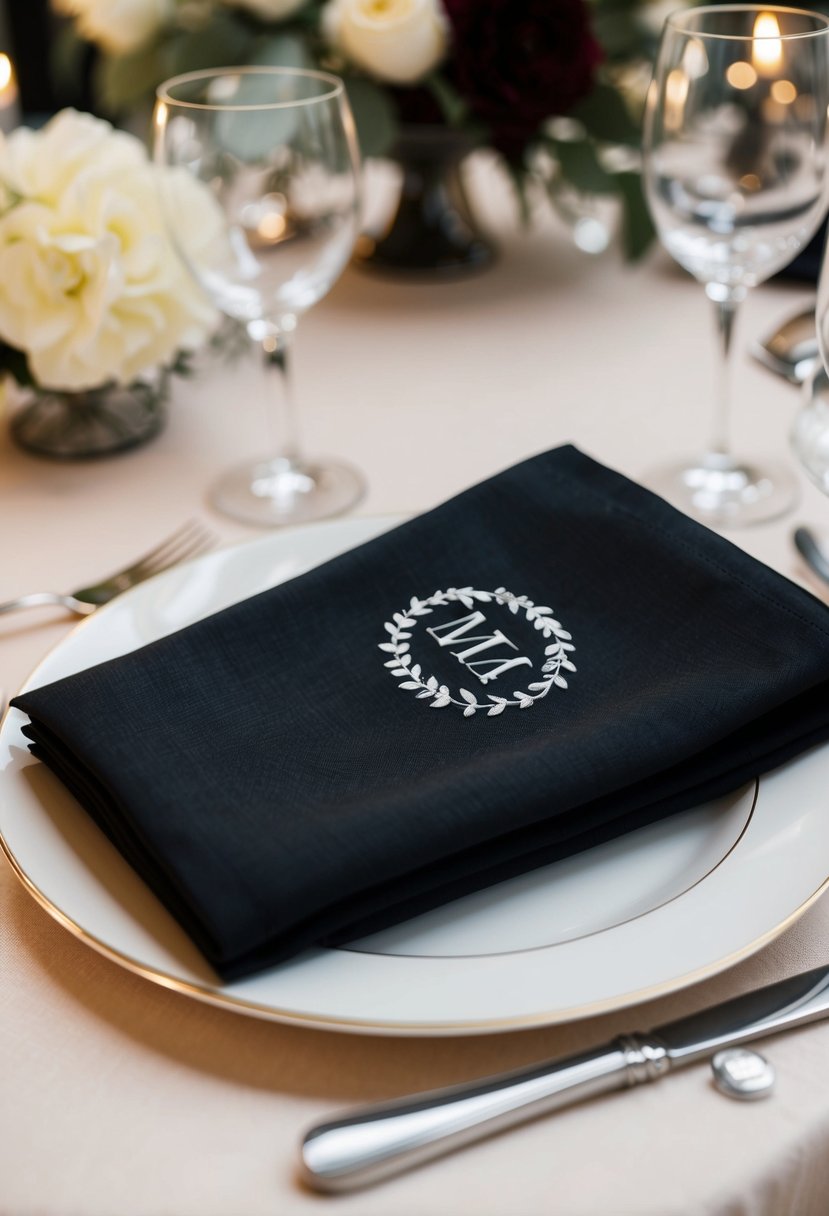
(433, 232)
(90, 423)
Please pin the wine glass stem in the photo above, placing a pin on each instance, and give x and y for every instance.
(726, 301)
(276, 349)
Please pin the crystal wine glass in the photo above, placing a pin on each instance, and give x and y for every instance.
(736, 178)
(276, 151)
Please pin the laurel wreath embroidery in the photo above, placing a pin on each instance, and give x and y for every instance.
(428, 688)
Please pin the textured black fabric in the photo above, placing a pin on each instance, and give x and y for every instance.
(278, 785)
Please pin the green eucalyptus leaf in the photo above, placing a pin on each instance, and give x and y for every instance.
(122, 82)
(374, 115)
(637, 226)
(606, 117)
(285, 50)
(600, 8)
(453, 107)
(67, 58)
(308, 16)
(618, 28)
(14, 363)
(580, 165)
(224, 40)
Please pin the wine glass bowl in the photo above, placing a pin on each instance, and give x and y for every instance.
(736, 178)
(276, 152)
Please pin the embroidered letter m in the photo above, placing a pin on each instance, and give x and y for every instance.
(461, 631)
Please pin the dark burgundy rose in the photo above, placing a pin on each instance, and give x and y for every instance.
(517, 62)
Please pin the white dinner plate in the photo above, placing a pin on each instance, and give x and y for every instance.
(644, 915)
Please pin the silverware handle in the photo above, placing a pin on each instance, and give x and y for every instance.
(37, 599)
(379, 1141)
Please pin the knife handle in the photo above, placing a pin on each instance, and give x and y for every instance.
(363, 1148)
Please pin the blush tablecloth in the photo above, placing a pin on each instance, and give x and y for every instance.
(117, 1096)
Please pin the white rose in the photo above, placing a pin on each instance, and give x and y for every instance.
(43, 164)
(395, 40)
(90, 288)
(117, 26)
(269, 10)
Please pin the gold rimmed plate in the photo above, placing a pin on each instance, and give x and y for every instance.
(630, 920)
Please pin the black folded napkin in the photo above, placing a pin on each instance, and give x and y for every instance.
(550, 659)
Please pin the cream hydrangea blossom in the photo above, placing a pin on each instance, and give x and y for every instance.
(118, 26)
(90, 287)
(395, 40)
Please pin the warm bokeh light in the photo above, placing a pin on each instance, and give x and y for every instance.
(774, 112)
(784, 92)
(741, 75)
(272, 226)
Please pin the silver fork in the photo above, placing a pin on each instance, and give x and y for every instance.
(188, 541)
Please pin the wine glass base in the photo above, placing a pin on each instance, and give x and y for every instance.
(724, 493)
(279, 493)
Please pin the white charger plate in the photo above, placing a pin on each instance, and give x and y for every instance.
(657, 910)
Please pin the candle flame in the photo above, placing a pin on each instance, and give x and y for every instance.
(767, 47)
(676, 94)
(6, 72)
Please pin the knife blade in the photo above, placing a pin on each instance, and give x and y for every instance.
(363, 1147)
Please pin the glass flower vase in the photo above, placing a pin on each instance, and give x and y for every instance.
(432, 232)
(90, 423)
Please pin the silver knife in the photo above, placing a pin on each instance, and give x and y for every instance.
(378, 1141)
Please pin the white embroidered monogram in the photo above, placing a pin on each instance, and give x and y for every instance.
(485, 651)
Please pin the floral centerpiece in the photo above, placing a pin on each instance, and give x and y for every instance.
(93, 299)
(552, 85)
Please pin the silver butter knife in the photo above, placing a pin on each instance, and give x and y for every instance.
(792, 350)
(374, 1143)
